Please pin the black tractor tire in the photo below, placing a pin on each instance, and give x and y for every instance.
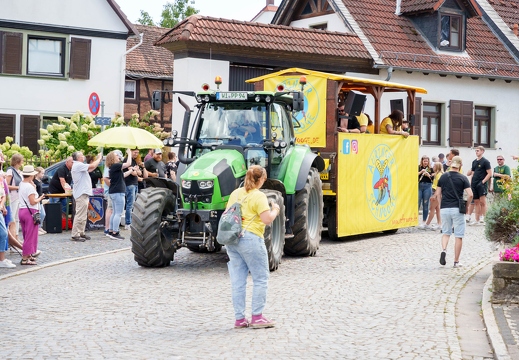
(149, 246)
(198, 249)
(308, 219)
(391, 231)
(332, 223)
(275, 232)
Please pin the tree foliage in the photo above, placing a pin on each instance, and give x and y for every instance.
(177, 11)
(145, 19)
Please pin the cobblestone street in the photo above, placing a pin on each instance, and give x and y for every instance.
(379, 297)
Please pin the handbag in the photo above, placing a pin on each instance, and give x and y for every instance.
(36, 216)
(462, 204)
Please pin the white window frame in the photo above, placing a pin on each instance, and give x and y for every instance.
(46, 56)
(127, 86)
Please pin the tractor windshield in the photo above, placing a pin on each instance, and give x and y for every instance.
(233, 123)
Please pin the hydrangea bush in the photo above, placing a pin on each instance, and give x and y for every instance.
(8, 149)
(61, 139)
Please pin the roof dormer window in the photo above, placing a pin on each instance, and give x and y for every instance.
(451, 34)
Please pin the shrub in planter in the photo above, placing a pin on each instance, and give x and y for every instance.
(503, 214)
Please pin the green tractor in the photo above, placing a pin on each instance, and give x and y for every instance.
(230, 132)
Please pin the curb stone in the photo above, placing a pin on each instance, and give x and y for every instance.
(496, 340)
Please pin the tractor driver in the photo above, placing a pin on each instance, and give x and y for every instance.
(242, 128)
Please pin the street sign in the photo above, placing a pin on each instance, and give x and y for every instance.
(103, 120)
(94, 103)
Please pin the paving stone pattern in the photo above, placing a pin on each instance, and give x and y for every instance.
(370, 297)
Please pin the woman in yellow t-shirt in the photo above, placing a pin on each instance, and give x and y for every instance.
(393, 124)
(250, 254)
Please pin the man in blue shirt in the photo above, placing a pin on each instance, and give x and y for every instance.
(82, 191)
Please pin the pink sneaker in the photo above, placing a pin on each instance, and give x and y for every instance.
(242, 323)
(259, 321)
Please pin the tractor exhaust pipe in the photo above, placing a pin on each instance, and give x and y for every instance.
(183, 135)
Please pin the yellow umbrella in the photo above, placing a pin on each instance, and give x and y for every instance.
(126, 137)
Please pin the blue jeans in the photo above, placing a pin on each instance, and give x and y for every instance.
(42, 214)
(424, 194)
(4, 241)
(131, 194)
(249, 255)
(63, 203)
(451, 217)
(118, 207)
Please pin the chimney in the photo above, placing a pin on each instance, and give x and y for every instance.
(515, 29)
(398, 3)
(270, 2)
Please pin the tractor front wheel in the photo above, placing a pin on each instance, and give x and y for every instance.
(150, 246)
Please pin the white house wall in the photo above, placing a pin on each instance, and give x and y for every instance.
(47, 96)
(80, 14)
(34, 96)
(189, 75)
(334, 23)
(496, 94)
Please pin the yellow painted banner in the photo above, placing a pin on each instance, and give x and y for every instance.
(377, 183)
(313, 117)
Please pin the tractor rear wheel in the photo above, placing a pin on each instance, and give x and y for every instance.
(275, 232)
(308, 220)
(150, 246)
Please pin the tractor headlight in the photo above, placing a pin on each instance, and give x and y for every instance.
(205, 184)
(186, 184)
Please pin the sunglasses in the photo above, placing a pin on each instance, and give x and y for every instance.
(500, 159)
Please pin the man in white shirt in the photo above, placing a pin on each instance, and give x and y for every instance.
(82, 191)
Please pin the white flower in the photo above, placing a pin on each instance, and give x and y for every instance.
(41, 142)
(62, 137)
(84, 128)
(49, 128)
(73, 127)
(71, 148)
(43, 132)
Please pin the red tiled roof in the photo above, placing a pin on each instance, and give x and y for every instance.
(204, 29)
(149, 61)
(507, 10)
(409, 6)
(401, 45)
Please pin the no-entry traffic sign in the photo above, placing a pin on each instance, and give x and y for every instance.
(94, 103)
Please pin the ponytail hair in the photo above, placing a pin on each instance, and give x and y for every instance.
(253, 176)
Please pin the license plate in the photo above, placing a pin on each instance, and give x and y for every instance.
(231, 96)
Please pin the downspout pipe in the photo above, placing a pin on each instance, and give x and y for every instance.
(123, 70)
(389, 73)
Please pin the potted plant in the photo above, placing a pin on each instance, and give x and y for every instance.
(502, 227)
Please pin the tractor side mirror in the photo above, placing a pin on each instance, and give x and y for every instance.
(156, 100)
(299, 101)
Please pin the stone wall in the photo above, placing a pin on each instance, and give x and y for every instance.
(505, 285)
